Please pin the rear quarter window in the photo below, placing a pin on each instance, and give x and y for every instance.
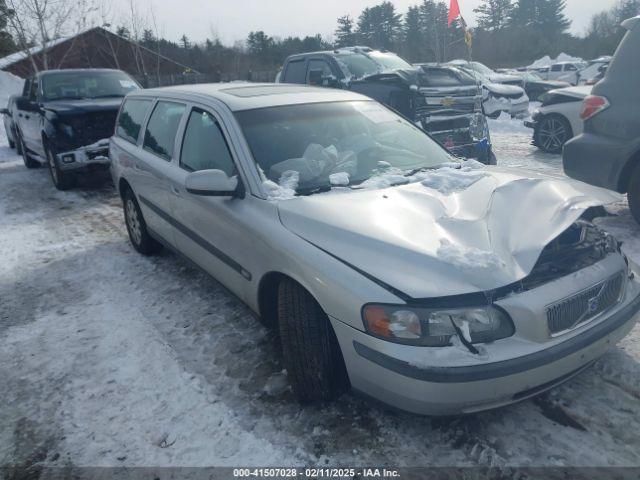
(295, 72)
(131, 117)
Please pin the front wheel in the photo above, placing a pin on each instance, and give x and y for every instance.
(137, 227)
(552, 133)
(311, 352)
(634, 193)
(61, 180)
(26, 158)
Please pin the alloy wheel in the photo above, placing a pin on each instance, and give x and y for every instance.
(134, 222)
(553, 135)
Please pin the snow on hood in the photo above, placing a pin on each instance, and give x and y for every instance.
(453, 233)
(503, 78)
(503, 89)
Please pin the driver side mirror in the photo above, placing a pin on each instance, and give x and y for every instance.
(211, 183)
(26, 105)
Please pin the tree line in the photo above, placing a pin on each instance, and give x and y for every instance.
(508, 33)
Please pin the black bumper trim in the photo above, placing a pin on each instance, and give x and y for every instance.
(505, 368)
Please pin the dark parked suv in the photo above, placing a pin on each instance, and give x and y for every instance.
(65, 118)
(607, 154)
(444, 101)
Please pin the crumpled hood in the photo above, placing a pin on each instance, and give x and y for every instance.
(503, 78)
(466, 232)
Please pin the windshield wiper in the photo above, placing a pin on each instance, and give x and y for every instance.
(313, 190)
(411, 173)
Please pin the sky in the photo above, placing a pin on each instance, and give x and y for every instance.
(232, 20)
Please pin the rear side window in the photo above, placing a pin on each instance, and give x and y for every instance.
(131, 117)
(204, 146)
(556, 68)
(296, 72)
(162, 128)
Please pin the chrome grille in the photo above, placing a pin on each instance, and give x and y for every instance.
(574, 311)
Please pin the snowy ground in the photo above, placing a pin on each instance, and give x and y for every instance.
(108, 358)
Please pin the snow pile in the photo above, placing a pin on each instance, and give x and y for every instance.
(450, 180)
(285, 189)
(547, 61)
(9, 85)
(467, 258)
(339, 179)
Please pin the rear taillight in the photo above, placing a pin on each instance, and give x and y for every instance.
(592, 106)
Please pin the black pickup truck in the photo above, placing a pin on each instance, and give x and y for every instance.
(64, 119)
(441, 100)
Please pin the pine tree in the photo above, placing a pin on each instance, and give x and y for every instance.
(494, 15)
(345, 36)
(123, 32)
(184, 42)
(6, 42)
(380, 26)
(413, 35)
(552, 20)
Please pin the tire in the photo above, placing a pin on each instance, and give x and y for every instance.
(310, 348)
(552, 133)
(61, 180)
(137, 227)
(26, 158)
(18, 143)
(633, 193)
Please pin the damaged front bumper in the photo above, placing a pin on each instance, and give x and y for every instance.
(466, 136)
(87, 158)
(452, 380)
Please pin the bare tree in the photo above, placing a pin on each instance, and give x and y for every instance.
(37, 23)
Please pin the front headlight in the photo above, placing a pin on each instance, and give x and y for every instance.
(477, 126)
(429, 327)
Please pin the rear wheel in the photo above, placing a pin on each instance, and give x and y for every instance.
(137, 227)
(26, 158)
(634, 193)
(61, 180)
(552, 133)
(310, 348)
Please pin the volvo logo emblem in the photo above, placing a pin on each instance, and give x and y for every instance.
(593, 304)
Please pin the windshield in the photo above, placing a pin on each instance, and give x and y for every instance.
(362, 65)
(390, 61)
(480, 68)
(81, 85)
(315, 147)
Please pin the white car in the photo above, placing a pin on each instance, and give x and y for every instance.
(566, 71)
(558, 119)
(500, 92)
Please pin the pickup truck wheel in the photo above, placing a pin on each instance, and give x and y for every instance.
(311, 352)
(18, 143)
(137, 227)
(61, 180)
(634, 193)
(552, 133)
(26, 158)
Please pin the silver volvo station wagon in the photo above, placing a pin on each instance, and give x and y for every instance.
(388, 266)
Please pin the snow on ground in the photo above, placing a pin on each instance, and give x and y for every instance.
(9, 85)
(111, 358)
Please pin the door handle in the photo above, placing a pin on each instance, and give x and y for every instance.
(176, 191)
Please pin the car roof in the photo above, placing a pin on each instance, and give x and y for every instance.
(249, 96)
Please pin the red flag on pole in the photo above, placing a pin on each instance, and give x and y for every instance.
(454, 11)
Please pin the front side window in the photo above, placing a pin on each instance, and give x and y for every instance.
(556, 68)
(346, 143)
(133, 113)
(295, 72)
(162, 128)
(204, 146)
(89, 84)
(318, 65)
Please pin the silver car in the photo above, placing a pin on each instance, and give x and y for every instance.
(388, 266)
